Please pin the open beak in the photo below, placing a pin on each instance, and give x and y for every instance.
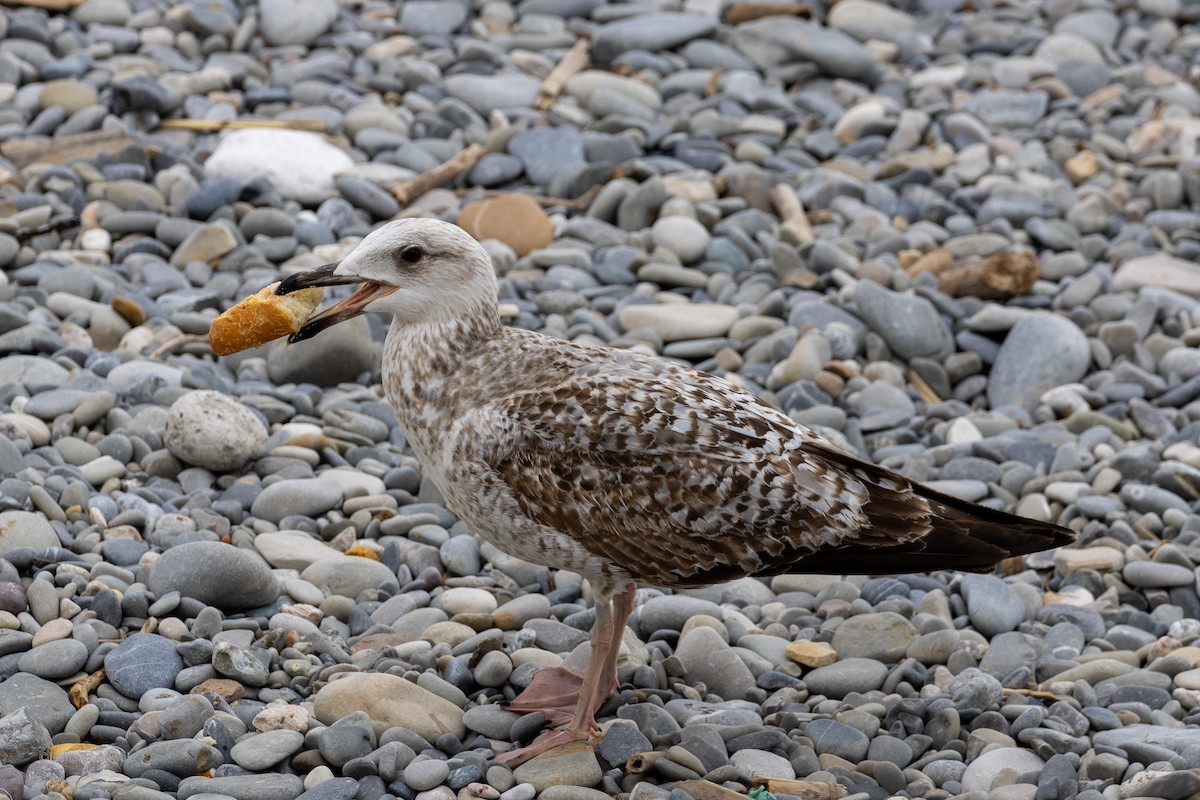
(351, 307)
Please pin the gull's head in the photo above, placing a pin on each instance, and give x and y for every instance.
(418, 270)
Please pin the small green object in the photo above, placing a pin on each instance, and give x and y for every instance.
(760, 793)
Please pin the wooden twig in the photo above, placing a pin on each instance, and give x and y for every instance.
(242, 124)
(738, 13)
(61, 149)
(924, 389)
(808, 790)
(639, 763)
(438, 176)
(795, 222)
(1037, 694)
(573, 61)
(713, 85)
(78, 693)
(59, 223)
(998, 277)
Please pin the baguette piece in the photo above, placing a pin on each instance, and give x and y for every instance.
(262, 317)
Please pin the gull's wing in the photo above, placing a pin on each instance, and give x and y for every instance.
(679, 477)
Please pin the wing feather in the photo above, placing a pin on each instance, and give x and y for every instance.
(675, 473)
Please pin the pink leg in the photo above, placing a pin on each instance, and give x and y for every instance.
(597, 682)
(622, 608)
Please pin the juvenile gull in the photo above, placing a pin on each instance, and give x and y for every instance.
(622, 467)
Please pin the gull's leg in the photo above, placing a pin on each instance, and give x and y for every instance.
(622, 608)
(592, 692)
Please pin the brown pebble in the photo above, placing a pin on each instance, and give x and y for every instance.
(514, 219)
(129, 309)
(225, 688)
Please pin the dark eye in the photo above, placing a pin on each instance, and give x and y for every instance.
(412, 254)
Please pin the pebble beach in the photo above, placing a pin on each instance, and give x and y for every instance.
(959, 238)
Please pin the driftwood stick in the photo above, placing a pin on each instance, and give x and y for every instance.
(639, 763)
(808, 790)
(997, 277)
(240, 124)
(935, 261)
(795, 222)
(573, 61)
(78, 693)
(61, 149)
(738, 13)
(924, 389)
(438, 176)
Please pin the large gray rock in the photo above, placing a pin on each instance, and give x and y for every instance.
(25, 529)
(772, 41)
(229, 578)
(1040, 352)
(910, 325)
(213, 430)
(657, 31)
(338, 354)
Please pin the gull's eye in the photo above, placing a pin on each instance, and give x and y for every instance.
(412, 254)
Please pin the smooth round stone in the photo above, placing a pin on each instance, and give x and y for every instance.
(264, 750)
(309, 497)
(677, 321)
(465, 600)
(909, 324)
(835, 738)
(25, 529)
(982, 773)
(350, 576)
(493, 669)
(684, 236)
(300, 165)
(846, 676)
(493, 721)
(1041, 351)
(1153, 574)
(543, 152)
(54, 660)
(425, 774)
(993, 606)
(142, 662)
(295, 22)
(219, 575)
(571, 765)
(213, 430)
(389, 700)
(884, 636)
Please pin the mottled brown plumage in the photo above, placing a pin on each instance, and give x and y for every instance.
(627, 468)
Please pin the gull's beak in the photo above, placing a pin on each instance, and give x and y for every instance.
(351, 307)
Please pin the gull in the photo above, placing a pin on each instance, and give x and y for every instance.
(621, 467)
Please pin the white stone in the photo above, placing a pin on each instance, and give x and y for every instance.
(468, 600)
(981, 774)
(684, 236)
(677, 321)
(299, 164)
(284, 22)
(213, 430)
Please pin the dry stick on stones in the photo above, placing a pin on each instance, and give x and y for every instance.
(808, 790)
(78, 693)
(242, 124)
(795, 225)
(997, 277)
(738, 13)
(576, 58)
(438, 176)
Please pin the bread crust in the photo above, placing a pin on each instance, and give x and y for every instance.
(262, 317)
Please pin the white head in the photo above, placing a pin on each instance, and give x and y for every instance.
(418, 270)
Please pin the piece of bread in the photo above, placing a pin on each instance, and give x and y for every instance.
(262, 317)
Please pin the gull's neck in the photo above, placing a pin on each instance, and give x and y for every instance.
(425, 364)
